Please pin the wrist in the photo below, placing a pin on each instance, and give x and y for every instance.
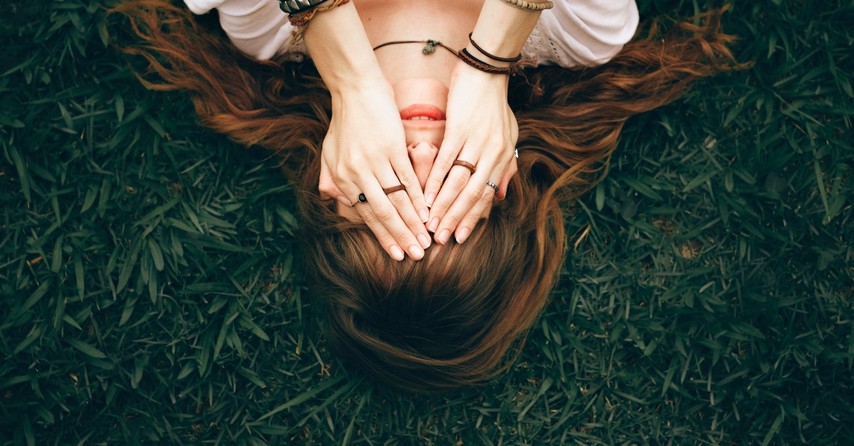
(339, 46)
(464, 71)
(502, 29)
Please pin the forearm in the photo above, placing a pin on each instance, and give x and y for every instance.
(502, 29)
(339, 47)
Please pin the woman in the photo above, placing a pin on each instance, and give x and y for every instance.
(450, 319)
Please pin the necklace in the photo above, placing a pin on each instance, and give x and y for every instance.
(429, 46)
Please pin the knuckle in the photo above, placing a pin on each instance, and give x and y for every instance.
(384, 213)
(473, 199)
(445, 162)
(433, 183)
(486, 197)
(325, 190)
(370, 219)
(450, 221)
(458, 182)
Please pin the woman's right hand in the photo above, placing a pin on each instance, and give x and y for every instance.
(365, 151)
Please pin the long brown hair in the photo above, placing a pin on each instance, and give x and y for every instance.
(459, 316)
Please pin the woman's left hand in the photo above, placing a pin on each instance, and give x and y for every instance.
(481, 130)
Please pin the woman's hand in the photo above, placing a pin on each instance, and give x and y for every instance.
(482, 130)
(365, 151)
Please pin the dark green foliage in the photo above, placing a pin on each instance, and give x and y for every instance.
(150, 282)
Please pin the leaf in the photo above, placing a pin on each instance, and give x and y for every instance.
(600, 197)
(127, 268)
(79, 275)
(136, 377)
(23, 176)
(86, 349)
(34, 334)
(303, 397)
(252, 376)
(35, 297)
(156, 254)
(119, 103)
(775, 428)
(246, 322)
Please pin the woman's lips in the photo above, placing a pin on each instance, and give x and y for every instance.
(422, 112)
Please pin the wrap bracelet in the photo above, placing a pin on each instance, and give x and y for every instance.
(298, 6)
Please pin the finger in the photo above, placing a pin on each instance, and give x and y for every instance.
(404, 205)
(470, 219)
(502, 186)
(396, 214)
(471, 203)
(455, 182)
(406, 175)
(386, 240)
(327, 187)
(377, 212)
(449, 152)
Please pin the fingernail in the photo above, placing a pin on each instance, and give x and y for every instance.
(443, 236)
(463, 234)
(416, 252)
(397, 253)
(424, 239)
(430, 198)
(434, 224)
(424, 214)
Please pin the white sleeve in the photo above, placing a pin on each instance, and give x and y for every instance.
(256, 27)
(582, 32)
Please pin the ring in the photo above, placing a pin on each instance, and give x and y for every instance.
(465, 164)
(393, 189)
(363, 198)
(516, 153)
(492, 185)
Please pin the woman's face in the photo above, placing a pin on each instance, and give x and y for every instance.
(422, 104)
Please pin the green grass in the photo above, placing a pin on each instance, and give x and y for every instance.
(151, 289)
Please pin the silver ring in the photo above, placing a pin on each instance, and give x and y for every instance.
(492, 185)
(516, 153)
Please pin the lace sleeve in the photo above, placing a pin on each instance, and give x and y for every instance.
(582, 32)
(256, 27)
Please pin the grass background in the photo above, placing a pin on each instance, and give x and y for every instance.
(151, 289)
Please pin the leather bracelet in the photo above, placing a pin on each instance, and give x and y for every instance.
(476, 63)
(499, 59)
(298, 6)
(530, 6)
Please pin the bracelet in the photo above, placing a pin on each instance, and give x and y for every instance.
(298, 6)
(500, 59)
(302, 18)
(530, 6)
(476, 63)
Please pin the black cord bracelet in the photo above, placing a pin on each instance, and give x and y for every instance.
(499, 59)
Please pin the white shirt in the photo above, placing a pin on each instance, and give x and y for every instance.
(573, 33)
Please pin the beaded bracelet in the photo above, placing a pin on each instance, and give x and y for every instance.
(530, 6)
(499, 59)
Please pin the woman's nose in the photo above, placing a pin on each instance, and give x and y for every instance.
(422, 155)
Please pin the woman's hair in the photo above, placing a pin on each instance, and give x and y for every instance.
(459, 316)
